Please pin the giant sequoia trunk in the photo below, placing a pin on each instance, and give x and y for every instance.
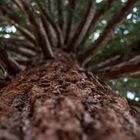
(59, 100)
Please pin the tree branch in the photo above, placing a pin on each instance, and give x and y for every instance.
(84, 57)
(21, 43)
(20, 51)
(83, 27)
(39, 32)
(8, 63)
(127, 67)
(45, 23)
(118, 56)
(14, 20)
(98, 15)
(22, 61)
(49, 2)
(71, 8)
(3, 82)
(53, 24)
(27, 34)
(59, 4)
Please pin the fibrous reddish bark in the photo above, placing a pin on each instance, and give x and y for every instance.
(60, 100)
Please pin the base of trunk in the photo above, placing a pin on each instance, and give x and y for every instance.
(59, 100)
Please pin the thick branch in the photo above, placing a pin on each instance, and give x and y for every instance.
(53, 24)
(107, 33)
(17, 23)
(118, 56)
(8, 63)
(21, 43)
(39, 32)
(22, 61)
(49, 2)
(134, 104)
(127, 67)
(98, 15)
(27, 34)
(21, 51)
(83, 27)
(45, 23)
(3, 82)
(59, 4)
(7, 11)
(17, 46)
(71, 8)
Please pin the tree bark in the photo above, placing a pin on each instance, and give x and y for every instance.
(59, 100)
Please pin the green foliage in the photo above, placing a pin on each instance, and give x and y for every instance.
(129, 88)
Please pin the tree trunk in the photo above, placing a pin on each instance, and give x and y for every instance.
(59, 100)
